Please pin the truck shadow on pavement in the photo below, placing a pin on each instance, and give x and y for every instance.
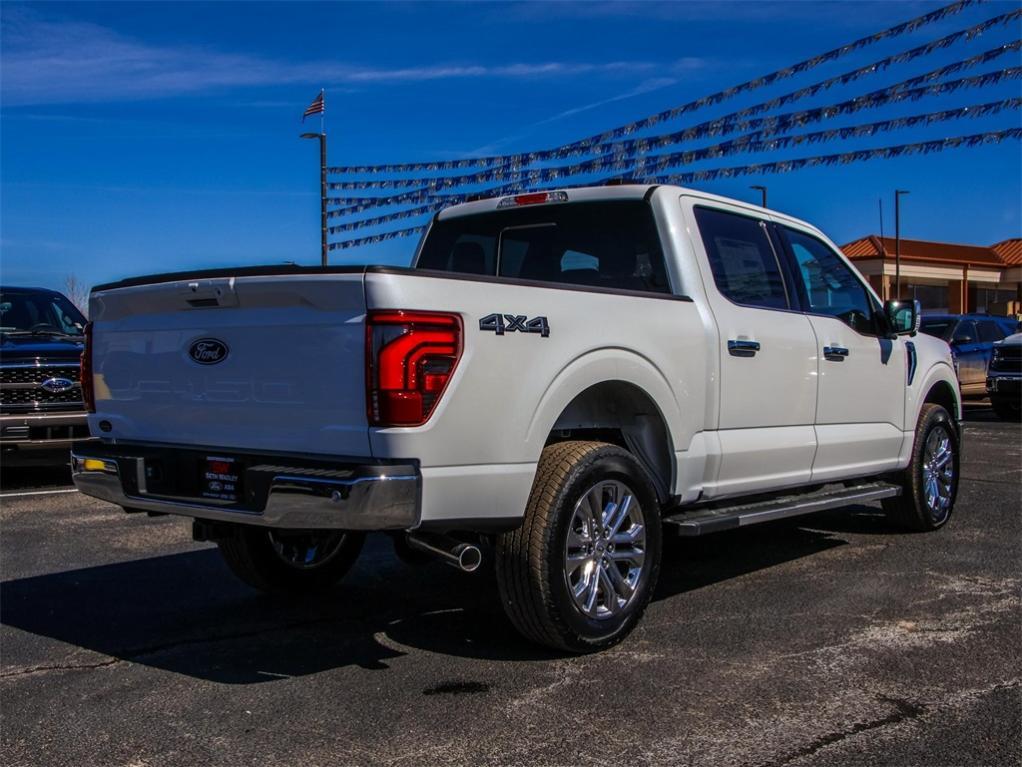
(185, 613)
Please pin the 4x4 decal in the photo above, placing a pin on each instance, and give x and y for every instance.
(509, 323)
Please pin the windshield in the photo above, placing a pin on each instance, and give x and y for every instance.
(41, 313)
(938, 327)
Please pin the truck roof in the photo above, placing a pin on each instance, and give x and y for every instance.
(616, 192)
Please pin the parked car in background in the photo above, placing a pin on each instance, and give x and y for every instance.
(41, 408)
(972, 338)
(1004, 376)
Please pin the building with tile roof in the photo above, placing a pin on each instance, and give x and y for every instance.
(1010, 251)
(943, 276)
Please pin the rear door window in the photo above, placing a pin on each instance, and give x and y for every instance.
(966, 332)
(611, 245)
(1008, 326)
(742, 258)
(989, 332)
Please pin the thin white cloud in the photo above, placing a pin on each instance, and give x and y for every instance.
(646, 86)
(687, 64)
(49, 61)
(679, 67)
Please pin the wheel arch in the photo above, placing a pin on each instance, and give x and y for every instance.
(619, 397)
(940, 387)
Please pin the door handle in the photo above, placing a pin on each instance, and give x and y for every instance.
(742, 348)
(835, 353)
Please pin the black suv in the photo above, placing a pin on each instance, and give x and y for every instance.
(972, 338)
(41, 408)
(1004, 378)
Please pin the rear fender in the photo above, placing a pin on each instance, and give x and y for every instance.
(603, 366)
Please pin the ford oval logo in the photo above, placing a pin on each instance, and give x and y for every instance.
(208, 351)
(57, 385)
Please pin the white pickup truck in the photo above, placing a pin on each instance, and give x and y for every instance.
(558, 380)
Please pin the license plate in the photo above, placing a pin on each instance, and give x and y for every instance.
(220, 478)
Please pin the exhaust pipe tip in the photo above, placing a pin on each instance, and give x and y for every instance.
(469, 557)
(464, 556)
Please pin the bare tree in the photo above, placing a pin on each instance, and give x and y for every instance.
(78, 293)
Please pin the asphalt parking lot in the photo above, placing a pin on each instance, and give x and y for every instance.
(832, 640)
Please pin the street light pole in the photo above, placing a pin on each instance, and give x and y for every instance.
(322, 192)
(762, 190)
(897, 242)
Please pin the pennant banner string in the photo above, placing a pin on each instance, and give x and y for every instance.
(639, 145)
(785, 166)
(782, 166)
(749, 143)
(765, 125)
(343, 244)
(591, 141)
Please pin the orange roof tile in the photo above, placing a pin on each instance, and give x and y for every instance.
(864, 247)
(946, 252)
(1010, 251)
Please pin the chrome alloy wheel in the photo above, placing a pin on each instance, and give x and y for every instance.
(305, 550)
(938, 473)
(605, 550)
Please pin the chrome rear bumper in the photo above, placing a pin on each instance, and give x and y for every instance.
(363, 496)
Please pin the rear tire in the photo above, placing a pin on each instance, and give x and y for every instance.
(930, 483)
(573, 578)
(294, 561)
(1006, 408)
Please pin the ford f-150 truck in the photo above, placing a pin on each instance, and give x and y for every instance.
(41, 408)
(558, 380)
(1004, 378)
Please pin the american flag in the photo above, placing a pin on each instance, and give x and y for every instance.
(317, 107)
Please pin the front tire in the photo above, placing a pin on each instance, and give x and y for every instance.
(293, 561)
(930, 483)
(579, 572)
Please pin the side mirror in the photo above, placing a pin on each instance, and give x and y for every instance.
(903, 317)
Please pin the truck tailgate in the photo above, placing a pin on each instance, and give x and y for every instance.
(268, 363)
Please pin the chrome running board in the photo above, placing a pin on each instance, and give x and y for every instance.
(703, 520)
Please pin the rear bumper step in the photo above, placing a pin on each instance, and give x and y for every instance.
(357, 496)
(713, 520)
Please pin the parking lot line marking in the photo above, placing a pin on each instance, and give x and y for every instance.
(38, 492)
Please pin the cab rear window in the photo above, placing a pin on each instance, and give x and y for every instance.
(610, 244)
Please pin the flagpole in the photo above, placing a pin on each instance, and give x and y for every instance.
(321, 99)
(322, 181)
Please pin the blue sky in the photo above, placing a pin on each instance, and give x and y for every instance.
(146, 137)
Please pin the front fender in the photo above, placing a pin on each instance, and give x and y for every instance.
(925, 380)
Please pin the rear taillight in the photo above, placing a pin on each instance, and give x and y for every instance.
(85, 371)
(410, 357)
